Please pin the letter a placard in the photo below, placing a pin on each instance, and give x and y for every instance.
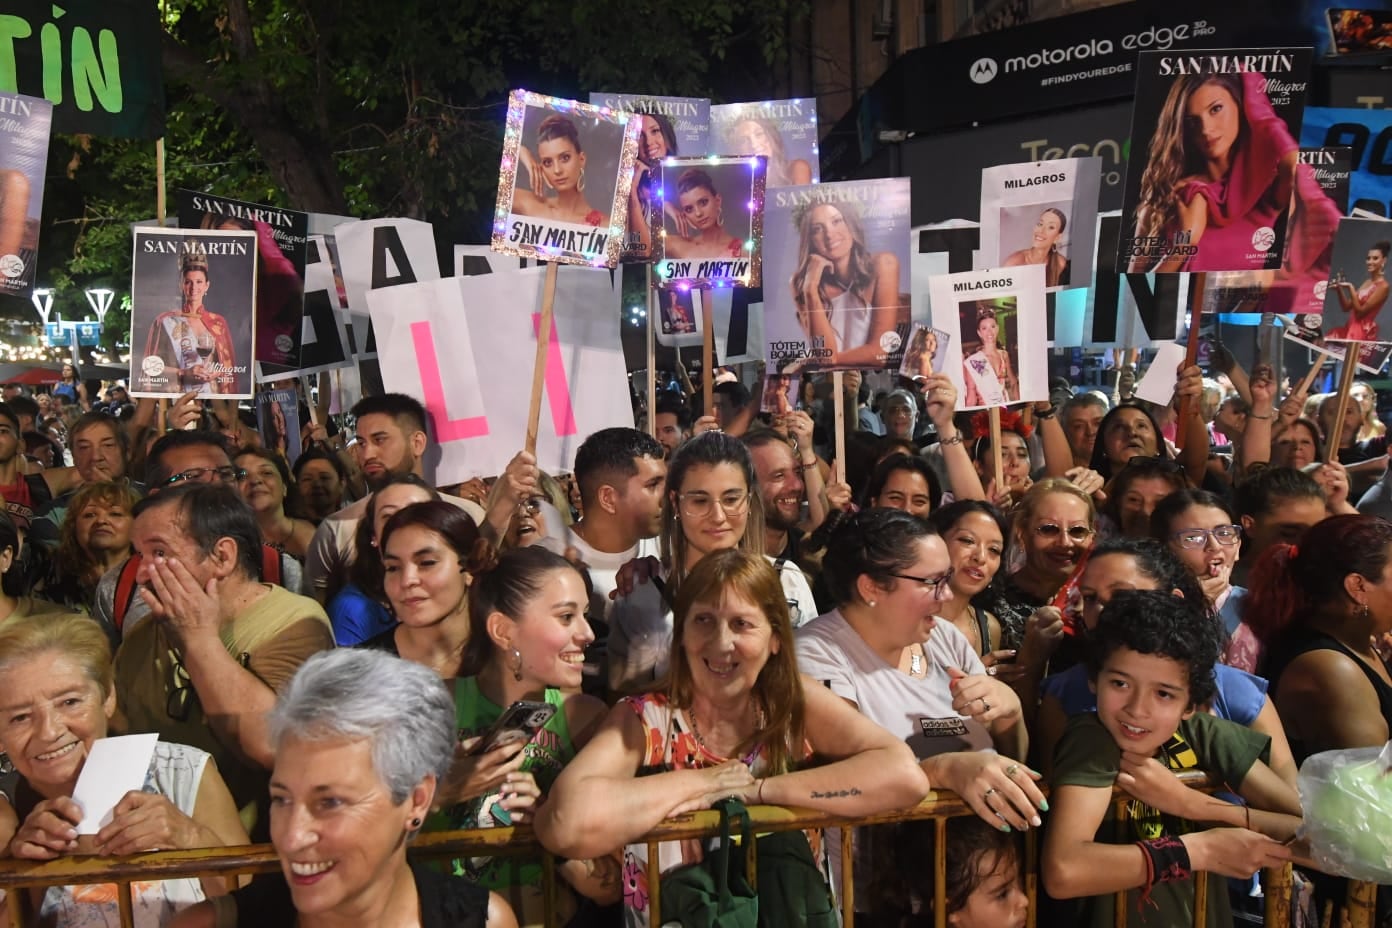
(378, 254)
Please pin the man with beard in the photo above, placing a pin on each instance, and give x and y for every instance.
(392, 440)
(673, 421)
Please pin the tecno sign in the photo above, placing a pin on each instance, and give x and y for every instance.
(984, 70)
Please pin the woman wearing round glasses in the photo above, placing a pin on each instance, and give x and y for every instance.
(712, 504)
(1201, 530)
(884, 650)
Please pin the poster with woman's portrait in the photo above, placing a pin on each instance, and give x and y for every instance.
(282, 243)
(1212, 163)
(836, 275)
(278, 421)
(24, 134)
(712, 223)
(997, 354)
(1042, 212)
(1355, 297)
(783, 131)
(780, 393)
(925, 352)
(563, 188)
(193, 313)
(672, 127)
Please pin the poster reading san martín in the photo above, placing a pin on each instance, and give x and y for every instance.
(193, 313)
(566, 173)
(836, 275)
(672, 127)
(1211, 189)
(783, 131)
(712, 222)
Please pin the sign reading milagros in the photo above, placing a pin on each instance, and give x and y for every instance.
(178, 342)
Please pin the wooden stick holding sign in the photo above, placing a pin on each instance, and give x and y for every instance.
(652, 353)
(548, 301)
(1191, 353)
(838, 406)
(1349, 373)
(996, 462)
(163, 420)
(707, 359)
(1310, 376)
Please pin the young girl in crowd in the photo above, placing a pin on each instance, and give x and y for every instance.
(984, 888)
(527, 639)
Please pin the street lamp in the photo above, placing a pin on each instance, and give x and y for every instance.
(42, 299)
(99, 298)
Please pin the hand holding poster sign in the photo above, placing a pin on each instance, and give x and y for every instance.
(189, 347)
(671, 127)
(1210, 190)
(711, 238)
(838, 275)
(1043, 212)
(566, 173)
(996, 355)
(442, 341)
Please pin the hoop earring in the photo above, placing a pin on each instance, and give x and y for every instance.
(581, 185)
(516, 665)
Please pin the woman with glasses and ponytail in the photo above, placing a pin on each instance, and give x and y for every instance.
(883, 650)
(712, 505)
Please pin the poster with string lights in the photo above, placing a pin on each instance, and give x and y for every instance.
(836, 282)
(712, 222)
(564, 183)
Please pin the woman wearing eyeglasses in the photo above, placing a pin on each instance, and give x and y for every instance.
(712, 505)
(883, 650)
(1201, 530)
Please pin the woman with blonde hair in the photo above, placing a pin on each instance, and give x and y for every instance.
(58, 699)
(733, 718)
(846, 294)
(756, 135)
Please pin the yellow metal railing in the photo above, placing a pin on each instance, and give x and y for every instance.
(16, 877)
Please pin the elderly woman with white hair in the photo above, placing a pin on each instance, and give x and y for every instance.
(361, 740)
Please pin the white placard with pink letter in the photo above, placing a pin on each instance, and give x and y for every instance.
(450, 344)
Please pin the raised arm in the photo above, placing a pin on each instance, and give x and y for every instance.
(1058, 454)
(941, 398)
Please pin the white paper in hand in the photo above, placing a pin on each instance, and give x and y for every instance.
(114, 767)
(1157, 386)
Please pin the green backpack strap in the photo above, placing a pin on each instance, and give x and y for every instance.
(714, 893)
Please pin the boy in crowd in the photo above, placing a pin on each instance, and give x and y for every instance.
(1151, 664)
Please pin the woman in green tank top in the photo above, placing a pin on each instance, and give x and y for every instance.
(527, 640)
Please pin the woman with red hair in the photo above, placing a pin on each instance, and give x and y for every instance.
(1319, 607)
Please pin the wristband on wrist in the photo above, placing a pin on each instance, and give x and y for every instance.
(954, 440)
(1252, 415)
(1048, 414)
(1167, 860)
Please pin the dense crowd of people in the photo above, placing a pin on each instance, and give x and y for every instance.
(338, 656)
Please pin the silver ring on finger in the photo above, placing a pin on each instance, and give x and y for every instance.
(985, 706)
(991, 671)
(986, 796)
(1012, 770)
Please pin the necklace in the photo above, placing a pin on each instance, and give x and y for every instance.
(916, 662)
(759, 721)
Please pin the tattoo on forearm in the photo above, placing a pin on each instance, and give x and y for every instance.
(836, 793)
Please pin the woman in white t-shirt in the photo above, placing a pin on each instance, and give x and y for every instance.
(712, 505)
(884, 650)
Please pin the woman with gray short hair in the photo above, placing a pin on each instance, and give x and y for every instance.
(361, 740)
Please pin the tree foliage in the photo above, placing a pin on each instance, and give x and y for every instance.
(364, 108)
